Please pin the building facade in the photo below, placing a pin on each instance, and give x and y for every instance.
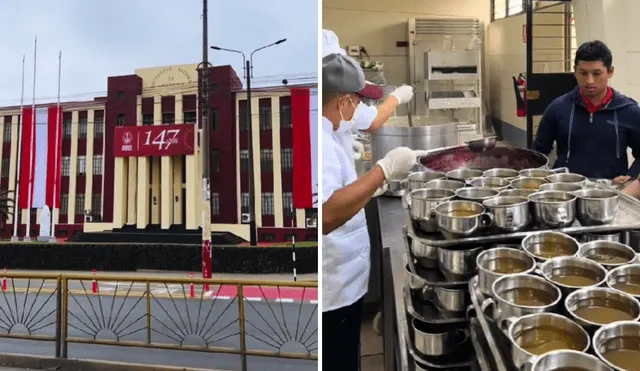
(101, 191)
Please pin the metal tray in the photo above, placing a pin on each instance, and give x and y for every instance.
(628, 218)
(497, 342)
(425, 311)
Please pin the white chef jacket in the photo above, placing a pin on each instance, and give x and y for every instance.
(346, 261)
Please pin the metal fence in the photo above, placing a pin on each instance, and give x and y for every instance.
(246, 318)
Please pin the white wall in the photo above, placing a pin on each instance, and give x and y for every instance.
(379, 24)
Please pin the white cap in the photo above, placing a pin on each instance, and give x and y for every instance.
(331, 44)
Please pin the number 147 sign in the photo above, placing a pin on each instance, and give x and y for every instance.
(154, 140)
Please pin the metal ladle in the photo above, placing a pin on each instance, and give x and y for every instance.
(477, 145)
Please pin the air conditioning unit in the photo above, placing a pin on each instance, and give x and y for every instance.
(245, 218)
(312, 223)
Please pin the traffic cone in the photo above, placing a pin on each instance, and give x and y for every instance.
(94, 284)
(192, 288)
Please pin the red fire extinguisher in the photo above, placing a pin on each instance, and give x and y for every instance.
(520, 87)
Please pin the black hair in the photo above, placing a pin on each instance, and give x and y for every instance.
(592, 51)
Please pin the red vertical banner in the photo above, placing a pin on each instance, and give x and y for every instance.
(54, 156)
(301, 127)
(26, 161)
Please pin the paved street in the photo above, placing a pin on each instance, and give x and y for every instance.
(119, 313)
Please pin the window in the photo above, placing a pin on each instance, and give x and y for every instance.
(82, 165)
(66, 165)
(244, 161)
(66, 128)
(82, 128)
(267, 204)
(285, 115)
(287, 203)
(506, 8)
(286, 161)
(168, 118)
(214, 118)
(190, 117)
(6, 134)
(243, 115)
(266, 160)
(80, 204)
(120, 119)
(96, 204)
(147, 119)
(97, 165)
(244, 203)
(265, 115)
(5, 168)
(120, 94)
(215, 204)
(98, 127)
(64, 204)
(515, 7)
(213, 161)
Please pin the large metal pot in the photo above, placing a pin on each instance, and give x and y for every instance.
(427, 133)
(497, 157)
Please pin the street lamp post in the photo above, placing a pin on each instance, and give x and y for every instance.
(248, 75)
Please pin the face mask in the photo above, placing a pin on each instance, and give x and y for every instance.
(346, 125)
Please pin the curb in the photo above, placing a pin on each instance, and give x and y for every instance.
(209, 294)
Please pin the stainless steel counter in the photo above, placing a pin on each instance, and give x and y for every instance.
(392, 219)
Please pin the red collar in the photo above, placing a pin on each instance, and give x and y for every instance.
(592, 108)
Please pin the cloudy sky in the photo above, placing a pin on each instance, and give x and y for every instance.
(110, 38)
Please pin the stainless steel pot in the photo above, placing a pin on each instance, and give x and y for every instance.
(521, 327)
(463, 175)
(564, 187)
(554, 268)
(508, 174)
(489, 261)
(458, 264)
(571, 178)
(553, 209)
(451, 185)
(542, 172)
(495, 183)
(617, 337)
(509, 213)
(602, 297)
(609, 254)
(627, 275)
(632, 239)
(507, 288)
(543, 246)
(476, 194)
(437, 344)
(419, 179)
(569, 360)
(596, 206)
(517, 192)
(601, 236)
(462, 218)
(426, 255)
(450, 300)
(533, 184)
(422, 203)
(427, 133)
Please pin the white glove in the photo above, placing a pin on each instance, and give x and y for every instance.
(403, 94)
(398, 163)
(358, 148)
(381, 190)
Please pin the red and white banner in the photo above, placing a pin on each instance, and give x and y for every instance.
(304, 114)
(41, 157)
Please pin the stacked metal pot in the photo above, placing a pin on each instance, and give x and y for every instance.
(528, 261)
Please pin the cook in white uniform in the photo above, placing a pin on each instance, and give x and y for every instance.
(345, 243)
(367, 118)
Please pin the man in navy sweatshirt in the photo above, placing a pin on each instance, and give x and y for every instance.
(593, 125)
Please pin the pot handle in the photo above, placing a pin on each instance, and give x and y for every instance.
(471, 310)
(504, 324)
(563, 216)
(464, 333)
(487, 303)
(486, 219)
(427, 293)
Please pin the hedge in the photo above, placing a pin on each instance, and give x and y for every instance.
(129, 257)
